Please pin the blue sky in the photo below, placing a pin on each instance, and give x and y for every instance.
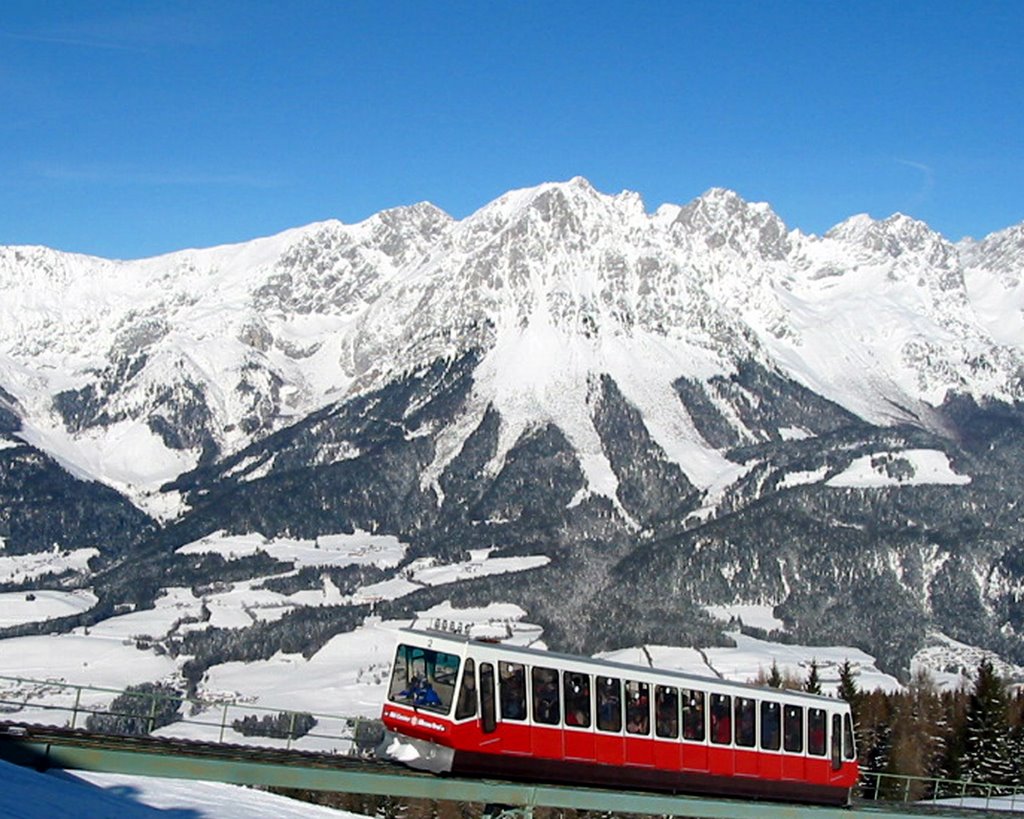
(135, 128)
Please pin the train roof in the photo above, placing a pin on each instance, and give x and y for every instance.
(523, 651)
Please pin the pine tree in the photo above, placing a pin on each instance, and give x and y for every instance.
(918, 732)
(813, 685)
(848, 690)
(775, 677)
(954, 706)
(986, 739)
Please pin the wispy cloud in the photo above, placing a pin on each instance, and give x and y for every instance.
(924, 192)
(124, 175)
(133, 33)
(82, 42)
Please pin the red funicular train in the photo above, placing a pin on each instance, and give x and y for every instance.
(479, 708)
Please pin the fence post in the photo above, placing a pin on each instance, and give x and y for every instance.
(223, 722)
(74, 712)
(291, 731)
(152, 713)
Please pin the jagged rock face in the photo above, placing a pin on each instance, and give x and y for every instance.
(691, 406)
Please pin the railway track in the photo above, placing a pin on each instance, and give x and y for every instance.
(43, 747)
(23, 734)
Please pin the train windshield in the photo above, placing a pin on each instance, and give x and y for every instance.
(424, 678)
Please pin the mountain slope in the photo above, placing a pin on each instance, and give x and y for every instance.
(686, 407)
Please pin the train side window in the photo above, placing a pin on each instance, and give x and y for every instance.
(577, 699)
(837, 742)
(816, 731)
(545, 696)
(746, 724)
(771, 726)
(666, 711)
(693, 715)
(638, 707)
(466, 706)
(488, 711)
(849, 748)
(609, 704)
(721, 721)
(512, 688)
(793, 729)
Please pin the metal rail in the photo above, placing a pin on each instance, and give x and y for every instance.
(335, 760)
(56, 702)
(937, 791)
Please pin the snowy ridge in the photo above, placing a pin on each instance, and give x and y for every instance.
(198, 353)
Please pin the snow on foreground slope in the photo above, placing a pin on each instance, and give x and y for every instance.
(27, 794)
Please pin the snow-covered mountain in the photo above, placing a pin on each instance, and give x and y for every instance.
(196, 354)
(697, 395)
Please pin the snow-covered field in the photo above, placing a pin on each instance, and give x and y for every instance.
(27, 794)
(21, 568)
(347, 678)
(920, 466)
(31, 607)
(358, 548)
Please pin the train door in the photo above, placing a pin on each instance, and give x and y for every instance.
(745, 758)
(608, 742)
(694, 748)
(793, 759)
(667, 748)
(546, 735)
(514, 729)
(639, 745)
(720, 754)
(771, 740)
(817, 769)
(849, 748)
(466, 707)
(836, 749)
(488, 705)
(578, 735)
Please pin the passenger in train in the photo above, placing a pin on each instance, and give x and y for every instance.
(693, 717)
(513, 695)
(577, 700)
(609, 705)
(666, 719)
(816, 732)
(638, 714)
(409, 692)
(721, 720)
(546, 701)
(421, 692)
(427, 695)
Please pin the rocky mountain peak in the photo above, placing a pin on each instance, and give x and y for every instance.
(1002, 251)
(723, 219)
(894, 236)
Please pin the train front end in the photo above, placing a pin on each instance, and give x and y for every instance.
(419, 704)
